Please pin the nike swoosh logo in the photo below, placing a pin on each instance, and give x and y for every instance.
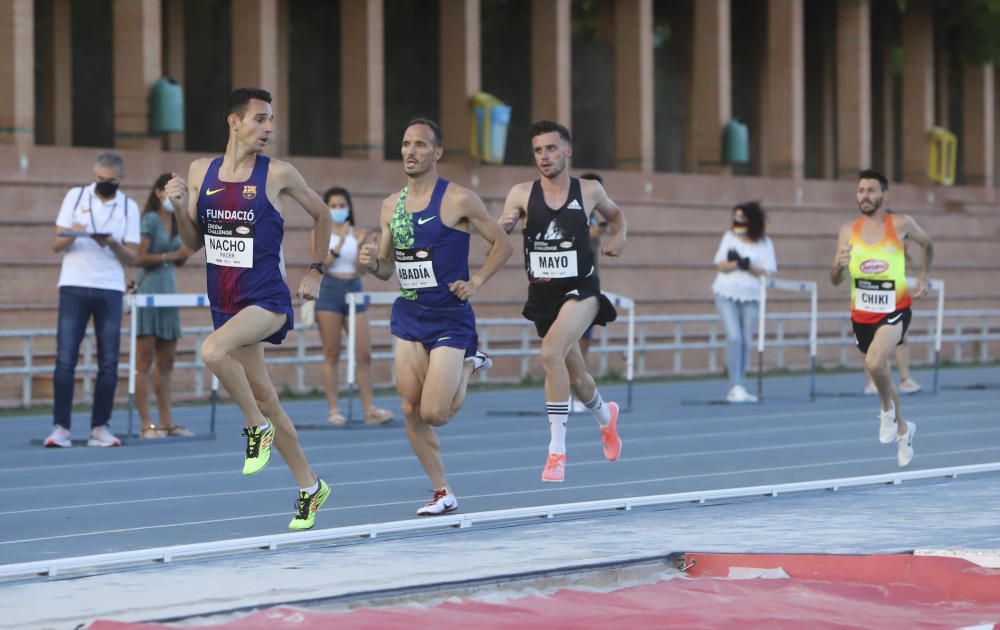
(894, 320)
(422, 221)
(210, 192)
(443, 338)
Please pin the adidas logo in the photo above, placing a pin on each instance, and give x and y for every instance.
(574, 205)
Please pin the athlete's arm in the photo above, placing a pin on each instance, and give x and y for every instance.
(913, 231)
(471, 209)
(291, 182)
(184, 195)
(843, 256)
(604, 206)
(378, 258)
(514, 207)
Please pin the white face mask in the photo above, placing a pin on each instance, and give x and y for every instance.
(167, 204)
(339, 215)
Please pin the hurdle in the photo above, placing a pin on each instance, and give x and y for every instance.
(162, 300)
(936, 286)
(384, 298)
(795, 286)
(619, 301)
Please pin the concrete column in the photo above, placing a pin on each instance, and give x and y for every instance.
(256, 58)
(711, 87)
(634, 131)
(137, 46)
(460, 77)
(918, 89)
(551, 61)
(173, 58)
(17, 73)
(978, 116)
(362, 79)
(854, 109)
(784, 114)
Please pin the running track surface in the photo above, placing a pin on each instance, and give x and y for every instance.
(79, 501)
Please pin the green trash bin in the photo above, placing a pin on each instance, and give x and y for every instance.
(166, 111)
(735, 143)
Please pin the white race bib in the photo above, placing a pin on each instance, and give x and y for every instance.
(557, 264)
(229, 244)
(875, 296)
(415, 269)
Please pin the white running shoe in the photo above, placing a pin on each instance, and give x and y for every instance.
(739, 394)
(442, 503)
(59, 438)
(887, 425)
(480, 361)
(102, 436)
(909, 386)
(905, 453)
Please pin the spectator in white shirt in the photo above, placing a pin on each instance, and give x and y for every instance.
(98, 231)
(744, 255)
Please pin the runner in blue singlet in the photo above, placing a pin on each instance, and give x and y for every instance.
(425, 243)
(233, 208)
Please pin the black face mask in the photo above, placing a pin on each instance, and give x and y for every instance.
(106, 189)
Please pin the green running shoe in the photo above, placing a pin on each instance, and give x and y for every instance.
(307, 504)
(258, 449)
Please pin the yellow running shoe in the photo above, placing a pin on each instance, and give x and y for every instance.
(307, 504)
(258, 449)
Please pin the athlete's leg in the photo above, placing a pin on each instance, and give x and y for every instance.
(903, 361)
(145, 351)
(877, 366)
(412, 362)
(246, 328)
(251, 359)
(564, 335)
(580, 380)
(329, 323)
(468, 367)
(166, 350)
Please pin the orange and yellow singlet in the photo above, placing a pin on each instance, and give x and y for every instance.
(878, 275)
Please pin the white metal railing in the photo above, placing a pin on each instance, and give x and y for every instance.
(969, 331)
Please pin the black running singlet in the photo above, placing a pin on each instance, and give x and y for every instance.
(557, 243)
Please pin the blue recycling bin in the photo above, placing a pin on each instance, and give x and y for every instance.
(490, 120)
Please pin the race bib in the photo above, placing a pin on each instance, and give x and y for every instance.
(415, 268)
(875, 296)
(553, 259)
(229, 244)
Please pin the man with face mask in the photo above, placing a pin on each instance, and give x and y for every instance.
(564, 292)
(98, 229)
(870, 250)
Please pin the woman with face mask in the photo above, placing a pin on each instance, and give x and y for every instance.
(343, 277)
(158, 328)
(744, 255)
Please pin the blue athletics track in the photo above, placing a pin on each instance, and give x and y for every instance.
(60, 503)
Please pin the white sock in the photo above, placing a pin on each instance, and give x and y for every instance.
(597, 407)
(558, 414)
(265, 426)
(311, 490)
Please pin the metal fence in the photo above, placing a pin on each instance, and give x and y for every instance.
(969, 334)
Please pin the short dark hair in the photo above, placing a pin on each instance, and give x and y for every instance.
(438, 138)
(340, 190)
(548, 126)
(870, 173)
(755, 219)
(239, 100)
(594, 176)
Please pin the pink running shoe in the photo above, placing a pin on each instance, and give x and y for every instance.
(610, 441)
(555, 468)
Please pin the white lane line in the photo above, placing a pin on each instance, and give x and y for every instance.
(468, 473)
(547, 490)
(541, 427)
(577, 442)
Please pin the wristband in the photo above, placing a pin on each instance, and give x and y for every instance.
(320, 267)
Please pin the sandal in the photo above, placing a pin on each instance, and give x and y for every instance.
(336, 419)
(150, 432)
(378, 416)
(177, 431)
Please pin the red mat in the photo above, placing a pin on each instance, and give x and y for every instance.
(900, 591)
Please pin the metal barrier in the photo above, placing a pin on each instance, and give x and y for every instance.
(964, 327)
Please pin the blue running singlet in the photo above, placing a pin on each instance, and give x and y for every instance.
(243, 234)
